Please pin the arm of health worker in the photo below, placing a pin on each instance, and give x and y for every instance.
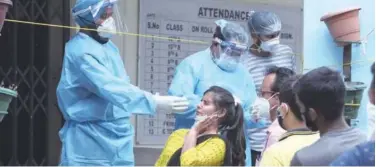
(116, 90)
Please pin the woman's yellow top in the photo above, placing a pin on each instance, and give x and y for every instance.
(208, 153)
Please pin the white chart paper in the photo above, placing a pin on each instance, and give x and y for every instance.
(189, 20)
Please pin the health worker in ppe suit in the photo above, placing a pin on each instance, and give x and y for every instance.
(218, 65)
(265, 51)
(95, 95)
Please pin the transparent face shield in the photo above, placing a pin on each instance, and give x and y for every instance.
(232, 49)
(105, 16)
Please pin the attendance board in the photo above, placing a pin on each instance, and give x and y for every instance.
(189, 20)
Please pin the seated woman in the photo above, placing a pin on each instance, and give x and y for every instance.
(216, 139)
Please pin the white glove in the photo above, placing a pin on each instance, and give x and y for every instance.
(171, 103)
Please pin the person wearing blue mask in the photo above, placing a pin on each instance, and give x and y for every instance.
(218, 65)
(95, 95)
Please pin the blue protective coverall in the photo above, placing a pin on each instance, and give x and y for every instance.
(196, 74)
(96, 99)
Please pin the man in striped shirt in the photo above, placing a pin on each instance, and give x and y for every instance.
(265, 28)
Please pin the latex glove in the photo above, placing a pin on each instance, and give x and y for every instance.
(171, 103)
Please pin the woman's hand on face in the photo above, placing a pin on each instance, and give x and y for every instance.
(200, 127)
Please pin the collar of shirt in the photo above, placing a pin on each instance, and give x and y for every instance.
(299, 131)
(274, 132)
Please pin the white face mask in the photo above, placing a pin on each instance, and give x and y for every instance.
(268, 45)
(107, 28)
(261, 108)
(200, 118)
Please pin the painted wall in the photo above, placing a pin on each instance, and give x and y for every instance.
(319, 48)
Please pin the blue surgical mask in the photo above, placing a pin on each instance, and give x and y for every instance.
(227, 62)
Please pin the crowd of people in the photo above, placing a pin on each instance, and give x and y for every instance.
(240, 102)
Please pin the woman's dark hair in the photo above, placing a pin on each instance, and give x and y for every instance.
(231, 125)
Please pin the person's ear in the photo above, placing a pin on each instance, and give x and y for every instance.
(214, 48)
(312, 114)
(285, 109)
(222, 113)
(255, 38)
